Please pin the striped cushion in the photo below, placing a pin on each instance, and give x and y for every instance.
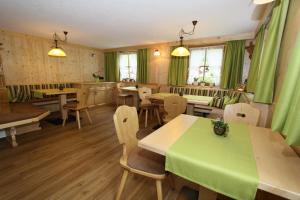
(218, 94)
(23, 93)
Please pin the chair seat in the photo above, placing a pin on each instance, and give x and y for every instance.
(146, 161)
(73, 106)
(125, 95)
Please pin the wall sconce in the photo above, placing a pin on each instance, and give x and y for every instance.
(156, 52)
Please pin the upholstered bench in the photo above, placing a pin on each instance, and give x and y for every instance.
(24, 93)
(221, 98)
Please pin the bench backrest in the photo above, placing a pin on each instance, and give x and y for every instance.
(24, 93)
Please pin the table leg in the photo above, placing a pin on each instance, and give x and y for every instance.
(62, 102)
(190, 109)
(206, 194)
(11, 134)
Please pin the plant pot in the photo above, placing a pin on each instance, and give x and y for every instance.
(220, 130)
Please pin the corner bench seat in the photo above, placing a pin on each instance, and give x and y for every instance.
(24, 93)
(218, 94)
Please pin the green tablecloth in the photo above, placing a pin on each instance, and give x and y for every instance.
(223, 164)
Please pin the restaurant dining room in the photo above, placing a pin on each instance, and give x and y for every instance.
(150, 99)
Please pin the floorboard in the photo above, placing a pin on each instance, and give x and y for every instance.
(66, 163)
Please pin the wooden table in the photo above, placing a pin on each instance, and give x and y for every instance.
(277, 164)
(62, 97)
(205, 100)
(20, 114)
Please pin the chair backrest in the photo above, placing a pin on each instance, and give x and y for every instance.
(174, 106)
(82, 97)
(127, 125)
(241, 112)
(143, 93)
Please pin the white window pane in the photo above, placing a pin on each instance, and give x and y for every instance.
(128, 65)
(197, 58)
(213, 57)
(214, 61)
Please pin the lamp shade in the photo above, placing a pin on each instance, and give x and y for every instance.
(57, 52)
(262, 1)
(180, 51)
(156, 52)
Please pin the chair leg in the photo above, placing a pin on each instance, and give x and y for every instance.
(141, 112)
(65, 119)
(124, 100)
(146, 118)
(88, 116)
(157, 115)
(122, 184)
(159, 190)
(78, 119)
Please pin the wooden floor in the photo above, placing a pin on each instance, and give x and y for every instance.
(67, 163)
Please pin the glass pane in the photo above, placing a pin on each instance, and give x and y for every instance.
(133, 65)
(197, 58)
(214, 59)
(210, 71)
(128, 65)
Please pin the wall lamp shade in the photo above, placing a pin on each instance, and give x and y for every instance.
(180, 51)
(262, 1)
(57, 52)
(156, 52)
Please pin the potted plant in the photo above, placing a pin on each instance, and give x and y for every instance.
(97, 77)
(202, 83)
(195, 81)
(220, 127)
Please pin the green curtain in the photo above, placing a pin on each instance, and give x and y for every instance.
(111, 67)
(178, 69)
(142, 66)
(267, 71)
(256, 58)
(232, 71)
(287, 116)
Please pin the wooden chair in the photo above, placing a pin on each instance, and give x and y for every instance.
(78, 106)
(134, 159)
(241, 112)
(122, 96)
(146, 105)
(174, 106)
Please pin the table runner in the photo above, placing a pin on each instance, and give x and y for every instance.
(222, 164)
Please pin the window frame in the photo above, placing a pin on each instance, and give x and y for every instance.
(206, 48)
(119, 64)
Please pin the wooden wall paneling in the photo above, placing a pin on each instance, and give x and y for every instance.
(25, 60)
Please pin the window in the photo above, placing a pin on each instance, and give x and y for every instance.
(128, 65)
(205, 65)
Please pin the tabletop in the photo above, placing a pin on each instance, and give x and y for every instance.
(55, 91)
(191, 99)
(129, 88)
(277, 164)
(21, 113)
